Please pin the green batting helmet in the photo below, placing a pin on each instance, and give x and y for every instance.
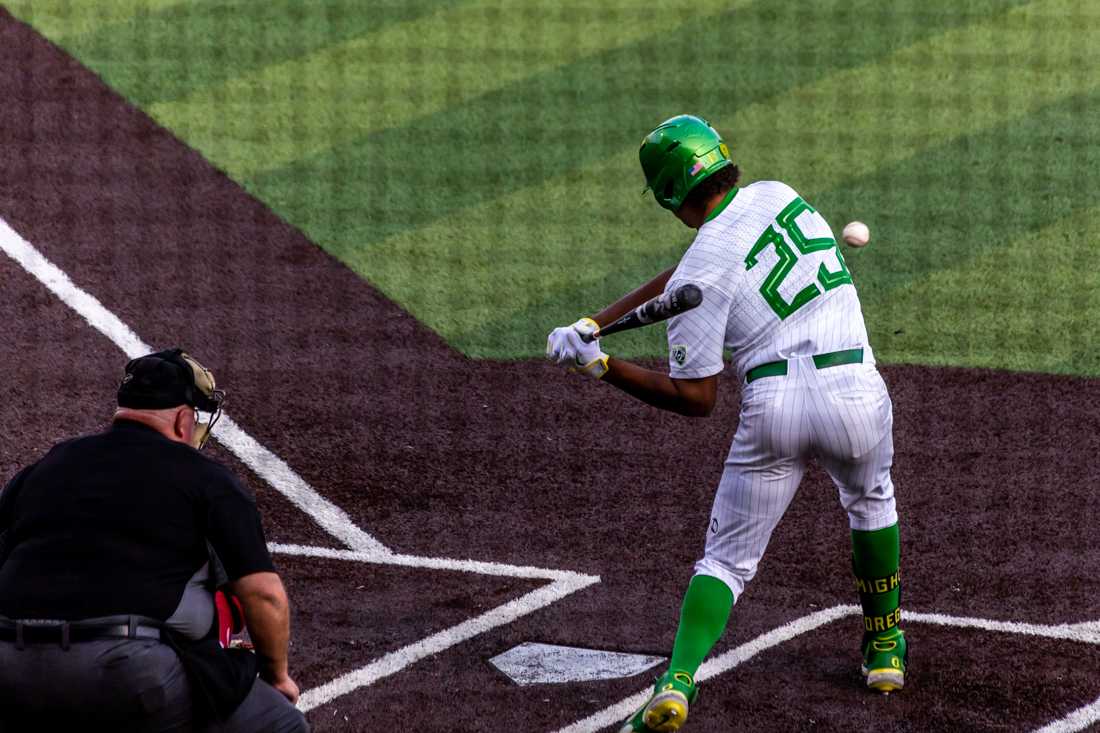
(679, 155)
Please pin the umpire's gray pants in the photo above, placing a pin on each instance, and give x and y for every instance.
(120, 686)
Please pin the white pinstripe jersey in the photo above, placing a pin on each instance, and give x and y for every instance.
(774, 286)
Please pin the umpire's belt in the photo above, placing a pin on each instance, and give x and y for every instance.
(821, 361)
(31, 631)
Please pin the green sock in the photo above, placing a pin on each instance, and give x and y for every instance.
(876, 557)
(703, 617)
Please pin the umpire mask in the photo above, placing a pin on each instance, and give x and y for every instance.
(208, 402)
(169, 379)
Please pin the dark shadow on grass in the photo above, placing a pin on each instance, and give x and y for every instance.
(936, 210)
(560, 120)
(168, 54)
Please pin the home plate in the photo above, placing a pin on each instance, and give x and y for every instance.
(534, 664)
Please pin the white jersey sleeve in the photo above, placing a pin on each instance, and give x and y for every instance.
(696, 338)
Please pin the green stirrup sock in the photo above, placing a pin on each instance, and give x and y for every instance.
(876, 557)
(703, 617)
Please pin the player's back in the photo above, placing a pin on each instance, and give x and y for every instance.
(771, 271)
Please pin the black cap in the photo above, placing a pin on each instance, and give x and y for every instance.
(168, 379)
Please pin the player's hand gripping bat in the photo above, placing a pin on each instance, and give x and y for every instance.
(654, 310)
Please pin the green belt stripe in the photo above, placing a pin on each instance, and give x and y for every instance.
(771, 369)
(837, 358)
(821, 361)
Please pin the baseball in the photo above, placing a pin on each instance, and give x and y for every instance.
(856, 234)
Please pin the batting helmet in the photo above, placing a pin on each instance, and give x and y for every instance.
(678, 155)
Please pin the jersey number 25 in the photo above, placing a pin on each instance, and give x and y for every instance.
(787, 260)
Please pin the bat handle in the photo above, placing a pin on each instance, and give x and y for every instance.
(590, 337)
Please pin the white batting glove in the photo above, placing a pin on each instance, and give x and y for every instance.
(566, 346)
(565, 343)
(557, 345)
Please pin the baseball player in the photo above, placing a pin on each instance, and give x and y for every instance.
(778, 296)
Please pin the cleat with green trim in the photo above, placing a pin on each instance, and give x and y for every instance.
(667, 708)
(884, 659)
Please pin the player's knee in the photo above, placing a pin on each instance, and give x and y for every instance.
(731, 574)
(871, 514)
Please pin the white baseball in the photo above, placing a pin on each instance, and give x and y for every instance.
(856, 234)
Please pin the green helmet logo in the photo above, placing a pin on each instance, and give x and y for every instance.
(679, 155)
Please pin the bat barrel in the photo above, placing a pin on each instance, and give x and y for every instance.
(664, 306)
(686, 297)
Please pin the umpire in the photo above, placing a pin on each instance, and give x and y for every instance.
(109, 550)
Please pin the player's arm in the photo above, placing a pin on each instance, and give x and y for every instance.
(690, 385)
(633, 299)
(695, 342)
(690, 397)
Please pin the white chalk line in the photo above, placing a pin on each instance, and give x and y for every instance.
(286, 481)
(258, 458)
(58, 283)
(436, 563)
(365, 548)
(1087, 632)
(398, 660)
(334, 520)
(1079, 719)
(724, 662)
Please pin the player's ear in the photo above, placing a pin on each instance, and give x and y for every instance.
(183, 425)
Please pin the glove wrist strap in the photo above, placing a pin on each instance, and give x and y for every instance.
(597, 367)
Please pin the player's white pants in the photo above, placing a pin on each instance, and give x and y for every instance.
(843, 417)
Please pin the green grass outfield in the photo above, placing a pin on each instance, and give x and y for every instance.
(477, 160)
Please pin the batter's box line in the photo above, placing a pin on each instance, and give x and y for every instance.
(334, 520)
(563, 583)
(398, 660)
(437, 563)
(1087, 632)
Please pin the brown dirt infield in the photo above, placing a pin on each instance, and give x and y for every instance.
(438, 455)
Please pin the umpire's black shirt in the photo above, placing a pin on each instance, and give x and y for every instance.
(117, 523)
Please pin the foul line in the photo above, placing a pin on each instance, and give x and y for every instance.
(334, 520)
(280, 476)
(1079, 719)
(435, 563)
(365, 548)
(1087, 632)
(266, 464)
(714, 667)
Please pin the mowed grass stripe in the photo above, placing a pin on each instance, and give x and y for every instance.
(561, 120)
(407, 70)
(550, 275)
(943, 208)
(495, 278)
(964, 80)
(1005, 216)
(937, 97)
(520, 136)
(66, 19)
(1029, 302)
(157, 56)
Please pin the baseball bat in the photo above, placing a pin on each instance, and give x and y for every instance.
(654, 310)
